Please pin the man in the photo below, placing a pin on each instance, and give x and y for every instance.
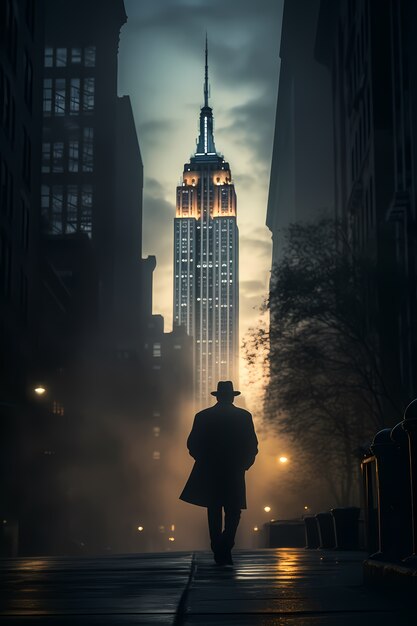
(224, 445)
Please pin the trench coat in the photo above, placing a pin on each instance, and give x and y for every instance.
(224, 445)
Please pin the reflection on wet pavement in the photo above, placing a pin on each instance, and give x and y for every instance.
(265, 588)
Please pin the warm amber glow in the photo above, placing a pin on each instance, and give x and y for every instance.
(140, 528)
(172, 527)
(171, 538)
(255, 528)
(40, 390)
(283, 459)
(267, 509)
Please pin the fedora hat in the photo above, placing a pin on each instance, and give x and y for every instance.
(225, 388)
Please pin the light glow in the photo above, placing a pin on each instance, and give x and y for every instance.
(40, 390)
(283, 459)
(267, 509)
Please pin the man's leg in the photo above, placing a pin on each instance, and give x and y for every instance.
(214, 515)
(231, 522)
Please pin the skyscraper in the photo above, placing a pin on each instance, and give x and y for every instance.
(206, 279)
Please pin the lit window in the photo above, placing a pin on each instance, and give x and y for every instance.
(156, 455)
(156, 350)
(156, 431)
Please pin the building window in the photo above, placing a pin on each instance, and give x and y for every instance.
(60, 96)
(75, 56)
(73, 155)
(46, 157)
(47, 96)
(86, 209)
(88, 99)
(88, 138)
(90, 56)
(49, 57)
(57, 209)
(58, 158)
(156, 455)
(156, 431)
(72, 209)
(75, 96)
(156, 350)
(57, 408)
(61, 57)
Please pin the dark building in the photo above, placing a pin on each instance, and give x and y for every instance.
(370, 51)
(21, 30)
(301, 184)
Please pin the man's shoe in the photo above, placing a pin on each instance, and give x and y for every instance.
(219, 558)
(227, 558)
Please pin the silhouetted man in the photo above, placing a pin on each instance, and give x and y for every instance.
(224, 445)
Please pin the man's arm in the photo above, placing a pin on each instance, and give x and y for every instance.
(251, 443)
(194, 438)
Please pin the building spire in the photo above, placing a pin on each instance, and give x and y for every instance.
(206, 87)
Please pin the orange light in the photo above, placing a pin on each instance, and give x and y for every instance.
(40, 390)
(140, 529)
(283, 459)
(171, 538)
(267, 509)
(255, 528)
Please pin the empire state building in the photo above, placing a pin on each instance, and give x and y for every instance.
(206, 260)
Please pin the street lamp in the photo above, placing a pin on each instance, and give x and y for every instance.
(40, 390)
(283, 459)
(267, 509)
(140, 529)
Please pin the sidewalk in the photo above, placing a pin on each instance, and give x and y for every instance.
(265, 588)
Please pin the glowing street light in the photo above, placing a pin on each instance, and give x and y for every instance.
(171, 538)
(267, 509)
(140, 529)
(255, 529)
(306, 508)
(40, 390)
(283, 459)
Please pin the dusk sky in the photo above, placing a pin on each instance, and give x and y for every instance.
(161, 67)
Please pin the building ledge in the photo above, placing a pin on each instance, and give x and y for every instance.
(382, 573)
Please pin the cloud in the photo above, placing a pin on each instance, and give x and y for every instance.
(154, 131)
(158, 220)
(257, 246)
(252, 288)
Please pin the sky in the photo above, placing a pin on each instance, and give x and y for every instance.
(161, 67)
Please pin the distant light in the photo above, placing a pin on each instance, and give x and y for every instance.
(40, 390)
(140, 528)
(306, 508)
(255, 528)
(5, 521)
(173, 527)
(171, 538)
(283, 459)
(267, 509)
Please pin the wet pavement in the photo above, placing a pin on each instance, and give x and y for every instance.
(282, 587)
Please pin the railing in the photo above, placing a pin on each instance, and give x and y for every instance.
(390, 492)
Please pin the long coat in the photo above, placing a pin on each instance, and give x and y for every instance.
(224, 445)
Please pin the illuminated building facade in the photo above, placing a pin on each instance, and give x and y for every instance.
(206, 281)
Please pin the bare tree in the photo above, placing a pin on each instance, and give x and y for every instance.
(326, 391)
